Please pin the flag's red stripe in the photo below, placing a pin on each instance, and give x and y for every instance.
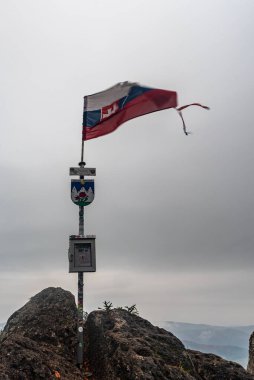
(150, 101)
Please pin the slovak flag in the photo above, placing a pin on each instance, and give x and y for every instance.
(105, 111)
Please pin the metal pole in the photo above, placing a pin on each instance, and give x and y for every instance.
(82, 151)
(80, 350)
(82, 163)
(81, 220)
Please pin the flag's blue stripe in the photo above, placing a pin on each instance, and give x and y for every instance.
(91, 118)
(137, 91)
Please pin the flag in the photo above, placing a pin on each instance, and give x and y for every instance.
(105, 111)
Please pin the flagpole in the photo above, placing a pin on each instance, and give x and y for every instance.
(82, 163)
(80, 349)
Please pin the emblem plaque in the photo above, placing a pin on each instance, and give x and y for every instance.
(82, 191)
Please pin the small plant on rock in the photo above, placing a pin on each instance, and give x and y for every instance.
(132, 309)
(107, 305)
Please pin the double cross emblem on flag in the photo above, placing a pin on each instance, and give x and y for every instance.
(108, 111)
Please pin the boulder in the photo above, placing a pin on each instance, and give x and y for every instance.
(213, 367)
(39, 340)
(123, 346)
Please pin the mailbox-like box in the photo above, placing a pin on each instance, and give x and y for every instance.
(82, 254)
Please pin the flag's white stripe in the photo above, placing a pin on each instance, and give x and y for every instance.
(107, 97)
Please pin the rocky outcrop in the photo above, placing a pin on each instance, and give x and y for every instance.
(251, 355)
(123, 346)
(212, 367)
(129, 347)
(39, 340)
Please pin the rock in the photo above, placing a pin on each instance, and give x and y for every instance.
(212, 367)
(123, 346)
(250, 367)
(39, 340)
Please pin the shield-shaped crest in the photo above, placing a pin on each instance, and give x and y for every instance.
(82, 191)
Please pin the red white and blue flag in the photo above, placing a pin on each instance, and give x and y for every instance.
(105, 111)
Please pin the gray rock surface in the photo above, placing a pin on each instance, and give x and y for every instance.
(39, 342)
(123, 346)
(212, 367)
(40, 339)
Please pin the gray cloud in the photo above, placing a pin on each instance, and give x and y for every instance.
(173, 215)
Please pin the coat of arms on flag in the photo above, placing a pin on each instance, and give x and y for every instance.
(82, 192)
(108, 111)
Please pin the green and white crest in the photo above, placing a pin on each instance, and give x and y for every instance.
(82, 191)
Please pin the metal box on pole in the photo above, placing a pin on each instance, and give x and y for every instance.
(82, 254)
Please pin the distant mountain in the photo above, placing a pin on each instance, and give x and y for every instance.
(231, 343)
(233, 353)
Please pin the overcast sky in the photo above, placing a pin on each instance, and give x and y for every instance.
(173, 215)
